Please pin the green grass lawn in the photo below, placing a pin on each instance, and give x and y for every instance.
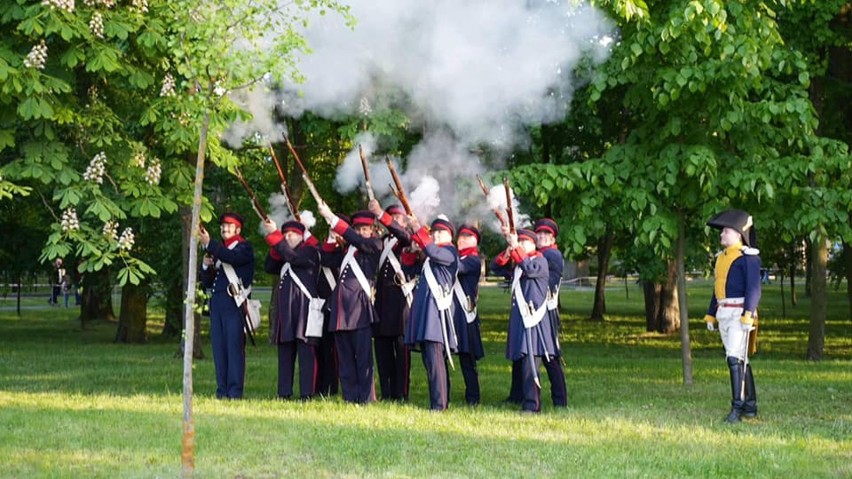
(73, 404)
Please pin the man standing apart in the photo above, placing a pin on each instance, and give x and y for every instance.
(228, 269)
(736, 294)
(297, 265)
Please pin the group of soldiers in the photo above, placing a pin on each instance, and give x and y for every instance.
(413, 289)
(361, 292)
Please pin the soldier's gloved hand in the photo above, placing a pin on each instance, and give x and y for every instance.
(710, 326)
(747, 327)
(269, 225)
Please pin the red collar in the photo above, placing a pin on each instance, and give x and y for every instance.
(472, 251)
(232, 240)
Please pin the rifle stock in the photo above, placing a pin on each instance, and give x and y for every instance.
(254, 202)
(285, 188)
(367, 183)
(509, 211)
(398, 191)
(305, 176)
(486, 192)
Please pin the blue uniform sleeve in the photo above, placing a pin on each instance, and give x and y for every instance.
(241, 255)
(752, 286)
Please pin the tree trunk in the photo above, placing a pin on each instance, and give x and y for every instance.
(668, 320)
(133, 317)
(783, 296)
(685, 346)
(809, 267)
(651, 290)
(604, 249)
(97, 297)
(819, 298)
(794, 259)
(847, 262)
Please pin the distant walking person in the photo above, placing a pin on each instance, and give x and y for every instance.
(733, 305)
(228, 267)
(56, 281)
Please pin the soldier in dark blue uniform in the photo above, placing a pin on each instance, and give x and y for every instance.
(529, 337)
(736, 295)
(327, 353)
(430, 327)
(465, 316)
(394, 293)
(227, 322)
(546, 231)
(297, 264)
(351, 310)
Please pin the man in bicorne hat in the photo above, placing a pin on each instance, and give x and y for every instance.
(233, 256)
(733, 305)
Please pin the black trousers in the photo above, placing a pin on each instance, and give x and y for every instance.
(436, 375)
(308, 371)
(471, 377)
(393, 361)
(355, 365)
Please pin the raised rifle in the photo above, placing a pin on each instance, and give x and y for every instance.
(285, 188)
(367, 183)
(486, 192)
(509, 212)
(398, 191)
(255, 204)
(305, 176)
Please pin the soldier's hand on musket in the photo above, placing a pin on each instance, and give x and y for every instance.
(414, 223)
(269, 225)
(203, 236)
(375, 207)
(208, 260)
(512, 238)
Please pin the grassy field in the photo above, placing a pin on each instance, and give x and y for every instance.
(73, 404)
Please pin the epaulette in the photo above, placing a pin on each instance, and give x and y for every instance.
(750, 251)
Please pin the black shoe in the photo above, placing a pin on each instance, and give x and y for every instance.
(733, 416)
(749, 415)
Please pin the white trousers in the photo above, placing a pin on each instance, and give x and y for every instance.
(730, 328)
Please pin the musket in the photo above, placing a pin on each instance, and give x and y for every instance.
(285, 188)
(486, 192)
(254, 202)
(398, 191)
(509, 213)
(305, 176)
(367, 183)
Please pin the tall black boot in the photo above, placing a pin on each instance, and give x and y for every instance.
(750, 404)
(735, 366)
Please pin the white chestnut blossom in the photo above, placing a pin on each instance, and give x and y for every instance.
(37, 57)
(168, 88)
(138, 159)
(364, 108)
(69, 220)
(140, 6)
(96, 169)
(96, 25)
(152, 176)
(67, 5)
(126, 241)
(111, 230)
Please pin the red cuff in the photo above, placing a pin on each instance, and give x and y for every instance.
(341, 227)
(311, 241)
(422, 237)
(518, 254)
(409, 258)
(385, 218)
(502, 259)
(274, 254)
(329, 247)
(274, 238)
